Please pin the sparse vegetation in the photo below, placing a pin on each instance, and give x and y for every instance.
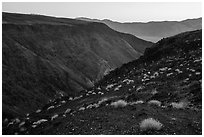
(123, 102)
(119, 103)
(179, 105)
(150, 123)
(47, 56)
(136, 102)
(155, 102)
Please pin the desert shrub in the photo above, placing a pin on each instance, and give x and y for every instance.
(68, 111)
(82, 108)
(39, 121)
(22, 129)
(51, 107)
(119, 103)
(155, 102)
(54, 116)
(180, 105)
(102, 100)
(149, 124)
(92, 106)
(136, 102)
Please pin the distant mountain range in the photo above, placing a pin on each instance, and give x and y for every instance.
(47, 57)
(152, 31)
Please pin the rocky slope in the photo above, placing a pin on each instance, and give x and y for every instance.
(46, 57)
(153, 31)
(164, 84)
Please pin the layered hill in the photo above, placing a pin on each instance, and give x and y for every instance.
(160, 93)
(47, 57)
(153, 31)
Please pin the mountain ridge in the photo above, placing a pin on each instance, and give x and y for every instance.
(44, 57)
(153, 31)
(90, 19)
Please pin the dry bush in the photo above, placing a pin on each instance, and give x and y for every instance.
(155, 102)
(180, 105)
(119, 103)
(150, 123)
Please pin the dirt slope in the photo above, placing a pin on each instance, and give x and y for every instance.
(170, 76)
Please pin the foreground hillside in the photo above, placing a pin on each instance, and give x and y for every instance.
(163, 87)
(153, 31)
(46, 57)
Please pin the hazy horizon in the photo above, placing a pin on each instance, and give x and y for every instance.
(115, 11)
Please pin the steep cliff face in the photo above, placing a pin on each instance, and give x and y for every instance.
(44, 57)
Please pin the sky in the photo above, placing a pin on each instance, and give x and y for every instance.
(118, 11)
